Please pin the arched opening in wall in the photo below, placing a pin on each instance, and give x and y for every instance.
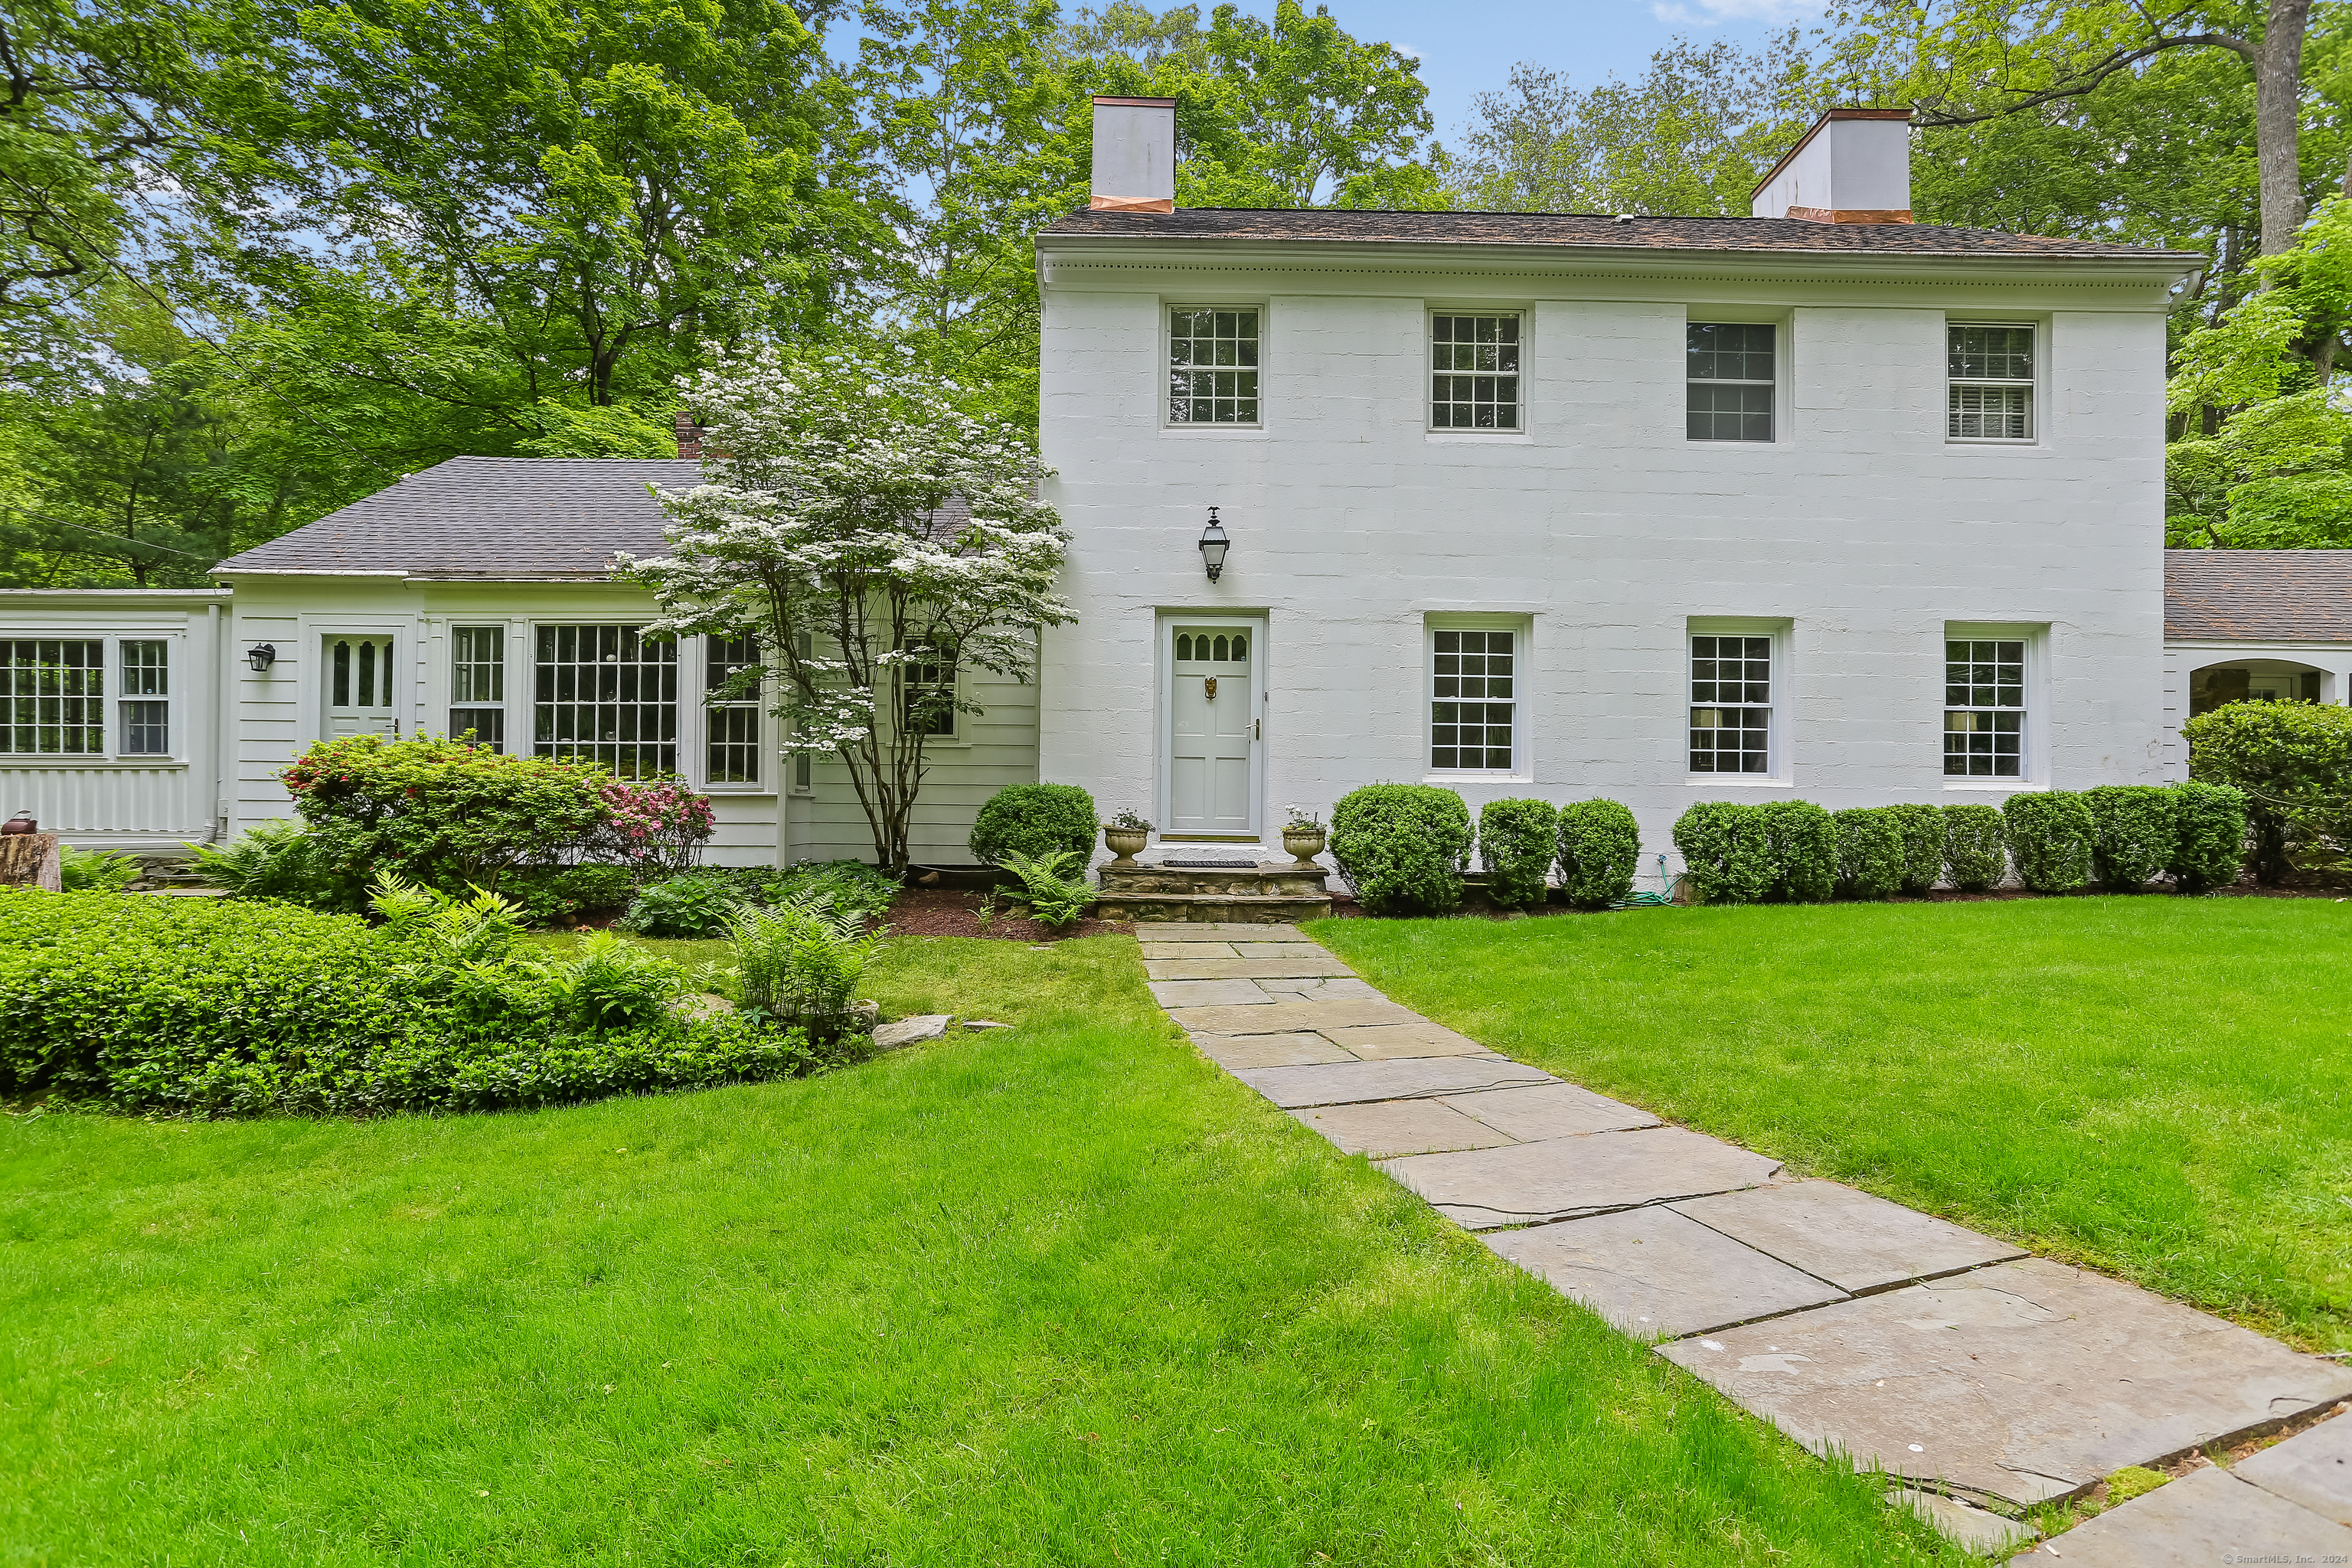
(2252, 680)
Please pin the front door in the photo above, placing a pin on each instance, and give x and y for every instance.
(359, 686)
(1213, 719)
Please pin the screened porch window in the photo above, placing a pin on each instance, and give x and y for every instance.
(605, 694)
(54, 692)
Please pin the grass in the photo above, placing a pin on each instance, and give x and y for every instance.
(1063, 1294)
(2159, 1087)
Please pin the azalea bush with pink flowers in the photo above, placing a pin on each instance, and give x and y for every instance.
(656, 828)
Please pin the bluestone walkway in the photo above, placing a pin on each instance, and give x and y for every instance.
(1983, 1379)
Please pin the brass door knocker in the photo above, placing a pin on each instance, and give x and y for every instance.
(1209, 688)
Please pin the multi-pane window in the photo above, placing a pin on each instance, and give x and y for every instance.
(477, 684)
(732, 722)
(926, 692)
(1474, 372)
(1473, 707)
(1731, 705)
(1212, 366)
(146, 705)
(1984, 708)
(52, 696)
(605, 695)
(1728, 367)
(1992, 383)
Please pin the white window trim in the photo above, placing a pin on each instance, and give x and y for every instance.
(961, 741)
(525, 693)
(441, 632)
(1165, 339)
(1522, 768)
(111, 698)
(2032, 751)
(1778, 771)
(1435, 432)
(2037, 403)
(1784, 335)
(698, 723)
(175, 675)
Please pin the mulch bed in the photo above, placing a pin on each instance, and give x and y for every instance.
(937, 911)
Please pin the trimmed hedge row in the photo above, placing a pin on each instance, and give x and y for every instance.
(1401, 849)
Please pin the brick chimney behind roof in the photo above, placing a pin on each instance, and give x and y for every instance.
(1853, 166)
(689, 437)
(1135, 155)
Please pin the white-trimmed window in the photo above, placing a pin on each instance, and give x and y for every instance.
(927, 692)
(477, 684)
(54, 691)
(1984, 708)
(1473, 371)
(1991, 375)
(145, 706)
(1729, 370)
(1213, 365)
(1474, 709)
(606, 694)
(1730, 703)
(730, 719)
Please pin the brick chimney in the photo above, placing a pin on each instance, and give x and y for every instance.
(1135, 155)
(689, 437)
(1853, 166)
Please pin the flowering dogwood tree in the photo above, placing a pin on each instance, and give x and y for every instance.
(874, 538)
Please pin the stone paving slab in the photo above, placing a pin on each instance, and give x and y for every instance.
(1233, 1052)
(2312, 1470)
(1854, 1241)
(1280, 949)
(1981, 1530)
(1382, 1042)
(1213, 931)
(1652, 1273)
(1348, 989)
(1391, 1127)
(1247, 969)
(1561, 1178)
(1284, 1017)
(2025, 1381)
(1355, 1083)
(1162, 950)
(2207, 1517)
(1551, 1110)
(1198, 994)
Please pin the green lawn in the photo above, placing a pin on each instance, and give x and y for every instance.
(2161, 1087)
(1062, 1295)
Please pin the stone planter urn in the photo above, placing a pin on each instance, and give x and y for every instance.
(1304, 843)
(1124, 842)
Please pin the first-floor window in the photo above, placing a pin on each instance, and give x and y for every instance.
(731, 720)
(1984, 708)
(478, 684)
(926, 692)
(146, 699)
(605, 695)
(53, 695)
(1731, 705)
(1472, 701)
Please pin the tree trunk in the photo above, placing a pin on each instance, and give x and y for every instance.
(2278, 92)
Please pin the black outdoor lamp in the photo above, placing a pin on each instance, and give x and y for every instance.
(1214, 545)
(261, 656)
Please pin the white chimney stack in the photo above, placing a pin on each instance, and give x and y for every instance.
(1853, 166)
(1135, 155)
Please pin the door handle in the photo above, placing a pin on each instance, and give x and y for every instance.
(1257, 729)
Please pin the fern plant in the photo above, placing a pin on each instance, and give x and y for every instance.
(271, 860)
(96, 870)
(802, 961)
(1055, 898)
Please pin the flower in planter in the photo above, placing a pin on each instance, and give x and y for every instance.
(1304, 819)
(1130, 821)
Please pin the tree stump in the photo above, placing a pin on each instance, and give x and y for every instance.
(31, 859)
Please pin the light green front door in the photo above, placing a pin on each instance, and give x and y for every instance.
(1213, 718)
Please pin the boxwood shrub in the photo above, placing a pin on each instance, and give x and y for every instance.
(1726, 851)
(1599, 846)
(1976, 846)
(1801, 841)
(2209, 842)
(1035, 820)
(2050, 838)
(1518, 841)
(2132, 834)
(217, 1007)
(1400, 847)
(1869, 851)
(1920, 829)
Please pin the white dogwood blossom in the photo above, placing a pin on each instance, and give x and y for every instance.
(874, 538)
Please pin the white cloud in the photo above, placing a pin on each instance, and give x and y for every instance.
(1712, 13)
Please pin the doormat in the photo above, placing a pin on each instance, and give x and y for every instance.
(1211, 864)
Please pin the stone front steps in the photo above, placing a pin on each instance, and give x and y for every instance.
(1276, 894)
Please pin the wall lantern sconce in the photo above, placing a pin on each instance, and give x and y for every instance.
(1214, 545)
(261, 656)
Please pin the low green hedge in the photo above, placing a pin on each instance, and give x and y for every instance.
(1518, 841)
(1726, 852)
(1400, 847)
(1919, 830)
(1869, 851)
(1976, 846)
(219, 1007)
(2133, 829)
(1035, 820)
(2050, 837)
(1599, 849)
(2209, 840)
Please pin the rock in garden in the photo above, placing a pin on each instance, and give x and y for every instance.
(911, 1031)
(701, 1004)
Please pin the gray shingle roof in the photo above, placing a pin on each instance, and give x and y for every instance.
(2258, 595)
(1600, 231)
(489, 517)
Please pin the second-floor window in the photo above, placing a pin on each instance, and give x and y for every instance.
(1213, 365)
(1728, 368)
(1474, 372)
(1992, 383)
